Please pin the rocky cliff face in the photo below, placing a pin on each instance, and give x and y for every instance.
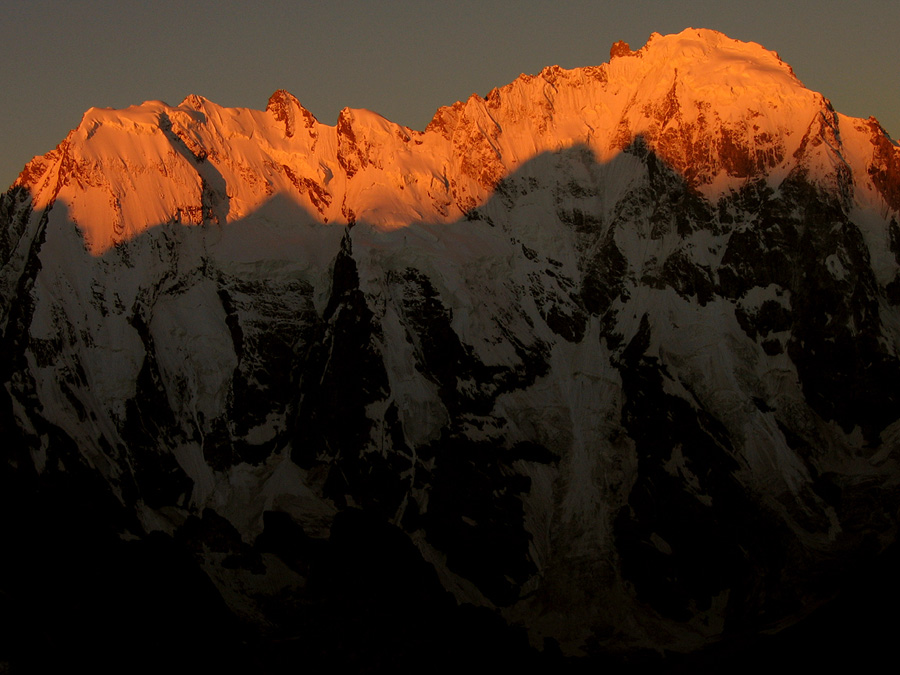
(610, 354)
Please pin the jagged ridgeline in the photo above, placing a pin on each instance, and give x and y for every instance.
(600, 365)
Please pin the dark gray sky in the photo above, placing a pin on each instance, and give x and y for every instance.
(400, 58)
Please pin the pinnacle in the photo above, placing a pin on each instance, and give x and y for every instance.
(281, 97)
(620, 48)
(193, 101)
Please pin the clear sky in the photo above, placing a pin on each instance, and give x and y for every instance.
(400, 58)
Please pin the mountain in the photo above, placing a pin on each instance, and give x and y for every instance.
(600, 366)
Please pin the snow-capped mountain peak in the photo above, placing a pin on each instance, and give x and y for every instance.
(610, 352)
(717, 110)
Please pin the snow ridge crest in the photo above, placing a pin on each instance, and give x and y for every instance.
(718, 110)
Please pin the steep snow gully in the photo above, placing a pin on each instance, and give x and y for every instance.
(600, 369)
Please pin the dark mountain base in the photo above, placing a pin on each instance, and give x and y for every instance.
(77, 597)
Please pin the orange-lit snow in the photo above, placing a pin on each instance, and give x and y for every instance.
(716, 109)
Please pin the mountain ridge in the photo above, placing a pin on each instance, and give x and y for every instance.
(622, 376)
(483, 139)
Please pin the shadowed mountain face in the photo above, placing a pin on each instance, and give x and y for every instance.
(638, 396)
